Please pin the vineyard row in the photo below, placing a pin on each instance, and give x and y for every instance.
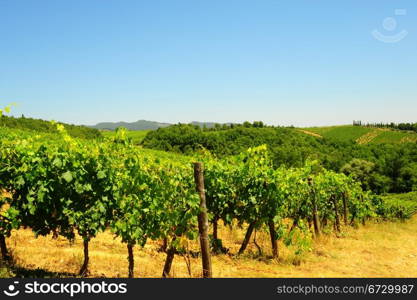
(64, 186)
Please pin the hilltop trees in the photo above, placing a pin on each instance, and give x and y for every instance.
(47, 127)
(399, 126)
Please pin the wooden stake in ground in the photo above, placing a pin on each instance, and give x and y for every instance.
(203, 224)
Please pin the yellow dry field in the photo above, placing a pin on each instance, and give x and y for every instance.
(368, 137)
(374, 250)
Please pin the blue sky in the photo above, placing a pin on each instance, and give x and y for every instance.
(283, 62)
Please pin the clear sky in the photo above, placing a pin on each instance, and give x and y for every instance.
(282, 62)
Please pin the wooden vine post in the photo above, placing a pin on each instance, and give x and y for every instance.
(203, 224)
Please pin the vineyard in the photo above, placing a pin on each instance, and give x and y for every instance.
(364, 135)
(66, 187)
(135, 137)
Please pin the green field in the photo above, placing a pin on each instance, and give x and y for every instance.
(363, 135)
(341, 133)
(392, 136)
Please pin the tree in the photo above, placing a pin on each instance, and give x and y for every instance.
(408, 178)
(360, 170)
(247, 124)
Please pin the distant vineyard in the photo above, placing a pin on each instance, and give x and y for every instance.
(64, 186)
(364, 134)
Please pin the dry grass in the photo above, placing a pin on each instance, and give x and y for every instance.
(311, 133)
(375, 250)
(370, 136)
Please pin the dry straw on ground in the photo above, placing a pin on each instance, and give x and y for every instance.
(375, 250)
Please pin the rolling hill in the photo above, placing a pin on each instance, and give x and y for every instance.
(39, 125)
(362, 135)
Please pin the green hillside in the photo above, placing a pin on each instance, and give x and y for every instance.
(363, 135)
(384, 160)
(43, 126)
(394, 136)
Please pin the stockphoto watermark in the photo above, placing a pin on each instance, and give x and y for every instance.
(71, 289)
(391, 33)
(364, 289)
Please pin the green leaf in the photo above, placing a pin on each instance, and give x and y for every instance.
(67, 176)
(101, 174)
(57, 162)
(101, 208)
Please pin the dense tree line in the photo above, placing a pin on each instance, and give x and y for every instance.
(48, 127)
(380, 168)
(226, 126)
(399, 126)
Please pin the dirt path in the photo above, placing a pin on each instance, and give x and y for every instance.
(310, 133)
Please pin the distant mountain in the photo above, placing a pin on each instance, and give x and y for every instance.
(138, 125)
(146, 125)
